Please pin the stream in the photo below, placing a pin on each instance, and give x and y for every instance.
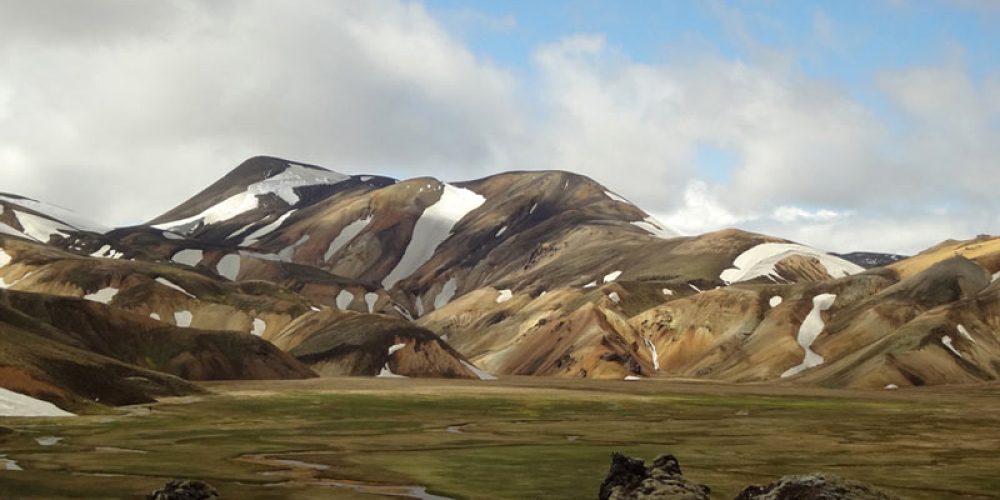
(307, 473)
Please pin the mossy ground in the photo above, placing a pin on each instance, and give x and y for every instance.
(515, 438)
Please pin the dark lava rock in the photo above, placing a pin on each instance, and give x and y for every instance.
(630, 479)
(179, 489)
(814, 487)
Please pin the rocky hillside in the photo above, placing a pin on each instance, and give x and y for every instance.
(530, 273)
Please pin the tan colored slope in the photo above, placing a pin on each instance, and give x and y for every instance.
(76, 379)
(339, 343)
(212, 303)
(533, 232)
(186, 352)
(730, 333)
(565, 332)
(877, 332)
(984, 250)
(312, 283)
(923, 315)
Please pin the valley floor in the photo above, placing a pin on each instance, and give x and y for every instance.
(514, 438)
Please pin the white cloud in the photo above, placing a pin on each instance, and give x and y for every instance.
(788, 215)
(175, 104)
(703, 211)
(145, 106)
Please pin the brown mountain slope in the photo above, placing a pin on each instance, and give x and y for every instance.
(542, 273)
(985, 250)
(171, 293)
(422, 242)
(149, 344)
(70, 377)
(347, 343)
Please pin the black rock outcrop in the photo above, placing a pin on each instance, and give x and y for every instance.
(814, 487)
(631, 479)
(180, 489)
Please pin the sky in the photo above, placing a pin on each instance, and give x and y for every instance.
(846, 125)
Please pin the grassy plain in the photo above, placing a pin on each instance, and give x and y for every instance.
(515, 438)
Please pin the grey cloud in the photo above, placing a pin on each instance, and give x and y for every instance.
(132, 113)
(352, 85)
(88, 22)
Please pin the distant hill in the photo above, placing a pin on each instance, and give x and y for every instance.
(530, 273)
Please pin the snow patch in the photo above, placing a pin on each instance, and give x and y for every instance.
(616, 197)
(775, 301)
(386, 372)
(592, 284)
(433, 227)
(189, 257)
(446, 294)
(266, 230)
(501, 231)
(344, 299)
(5, 229)
(259, 327)
(346, 235)
(15, 404)
(8, 464)
(652, 352)
(403, 312)
(48, 440)
(809, 331)
(371, 298)
(287, 254)
(946, 340)
(504, 296)
(612, 276)
(40, 228)
(170, 235)
(668, 292)
(107, 252)
(762, 259)
(104, 295)
(282, 185)
(229, 266)
(891, 387)
(262, 256)
(56, 212)
(477, 372)
(693, 287)
(154, 316)
(965, 333)
(615, 297)
(183, 319)
(632, 378)
(169, 284)
(656, 228)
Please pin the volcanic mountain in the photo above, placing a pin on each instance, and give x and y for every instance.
(533, 273)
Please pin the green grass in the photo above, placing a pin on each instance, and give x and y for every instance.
(519, 439)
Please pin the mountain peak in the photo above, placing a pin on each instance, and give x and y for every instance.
(256, 176)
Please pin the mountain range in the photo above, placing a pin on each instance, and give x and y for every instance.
(282, 269)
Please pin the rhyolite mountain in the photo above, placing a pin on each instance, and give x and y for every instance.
(530, 273)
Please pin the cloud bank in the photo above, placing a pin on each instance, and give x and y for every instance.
(121, 111)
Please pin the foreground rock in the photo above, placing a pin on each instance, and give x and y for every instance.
(814, 487)
(630, 478)
(184, 490)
